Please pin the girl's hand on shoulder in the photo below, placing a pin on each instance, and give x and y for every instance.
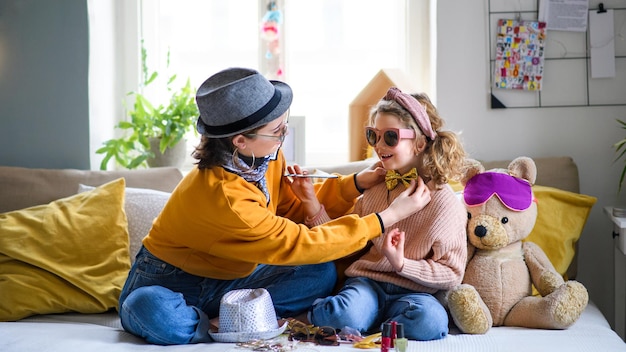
(410, 201)
(393, 248)
(371, 176)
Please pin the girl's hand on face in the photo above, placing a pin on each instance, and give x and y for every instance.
(393, 248)
(371, 176)
(302, 187)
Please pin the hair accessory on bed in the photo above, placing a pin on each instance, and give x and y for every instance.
(247, 314)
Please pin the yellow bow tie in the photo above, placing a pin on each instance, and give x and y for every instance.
(392, 177)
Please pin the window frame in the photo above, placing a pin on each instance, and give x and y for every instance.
(123, 20)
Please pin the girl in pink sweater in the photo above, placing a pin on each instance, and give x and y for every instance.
(420, 256)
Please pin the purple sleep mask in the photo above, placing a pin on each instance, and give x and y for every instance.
(515, 193)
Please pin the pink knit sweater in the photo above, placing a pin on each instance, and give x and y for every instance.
(435, 246)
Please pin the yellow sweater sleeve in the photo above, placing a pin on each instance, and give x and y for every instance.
(218, 225)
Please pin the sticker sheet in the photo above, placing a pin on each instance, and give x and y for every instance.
(519, 54)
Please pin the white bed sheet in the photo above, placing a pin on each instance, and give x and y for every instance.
(102, 332)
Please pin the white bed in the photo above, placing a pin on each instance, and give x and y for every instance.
(102, 332)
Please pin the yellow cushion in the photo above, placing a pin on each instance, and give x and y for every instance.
(456, 186)
(561, 217)
(68, 255)
(560, 221)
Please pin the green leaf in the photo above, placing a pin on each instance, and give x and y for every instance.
(151, 79)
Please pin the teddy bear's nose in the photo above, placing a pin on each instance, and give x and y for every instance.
(480, 231)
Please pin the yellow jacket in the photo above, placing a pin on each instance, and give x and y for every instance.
(218, 225)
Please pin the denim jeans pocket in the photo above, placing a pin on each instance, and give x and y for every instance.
(151, 270)
(150, 266)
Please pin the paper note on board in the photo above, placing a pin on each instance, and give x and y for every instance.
(602, 44)
(564, 15)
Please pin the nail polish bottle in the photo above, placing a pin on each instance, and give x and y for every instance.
(393, 333)
(385, 339)
(400, 342)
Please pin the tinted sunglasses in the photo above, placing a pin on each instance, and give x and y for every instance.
(515, 193)
(391, 136)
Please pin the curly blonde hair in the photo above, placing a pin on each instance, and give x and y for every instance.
(443, 160)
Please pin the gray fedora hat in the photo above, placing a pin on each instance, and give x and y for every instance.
(237, 99)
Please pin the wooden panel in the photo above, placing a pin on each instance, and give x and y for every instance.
(365, 100)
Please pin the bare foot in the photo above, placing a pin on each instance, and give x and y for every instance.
(214, 324)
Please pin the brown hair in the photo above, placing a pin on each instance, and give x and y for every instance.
(210, 151)
(444, 157)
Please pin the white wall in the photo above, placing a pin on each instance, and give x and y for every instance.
(584, 133)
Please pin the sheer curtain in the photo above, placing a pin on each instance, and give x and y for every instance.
(330, 50)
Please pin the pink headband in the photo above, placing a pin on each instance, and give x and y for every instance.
(414, 108)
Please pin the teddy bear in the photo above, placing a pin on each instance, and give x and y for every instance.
(497, 286)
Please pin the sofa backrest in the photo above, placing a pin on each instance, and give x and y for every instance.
(558, 172)
(25, 187)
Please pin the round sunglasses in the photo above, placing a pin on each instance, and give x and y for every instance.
(391, 136)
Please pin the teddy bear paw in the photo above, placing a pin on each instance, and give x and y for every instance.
(469, 312)
(571, 300)
(549, 282)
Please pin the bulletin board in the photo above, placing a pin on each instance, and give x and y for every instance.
(566, 80)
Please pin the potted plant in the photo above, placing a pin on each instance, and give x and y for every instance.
(163, 125)
(620, 147)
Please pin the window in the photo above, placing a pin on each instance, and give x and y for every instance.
(331, 49)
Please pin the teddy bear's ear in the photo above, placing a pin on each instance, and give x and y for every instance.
(471, 168)
(524, 167)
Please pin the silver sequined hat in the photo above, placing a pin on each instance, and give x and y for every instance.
(247, 314)
(237, 99)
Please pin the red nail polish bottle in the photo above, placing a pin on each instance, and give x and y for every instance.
(385, 340)
(393, 333)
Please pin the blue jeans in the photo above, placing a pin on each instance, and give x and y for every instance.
(365, 304)
(167, 306)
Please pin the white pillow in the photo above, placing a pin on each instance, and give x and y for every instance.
(142, 206)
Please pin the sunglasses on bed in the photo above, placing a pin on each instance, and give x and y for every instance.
(515, 193)
(322, 335)
(391, 136)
